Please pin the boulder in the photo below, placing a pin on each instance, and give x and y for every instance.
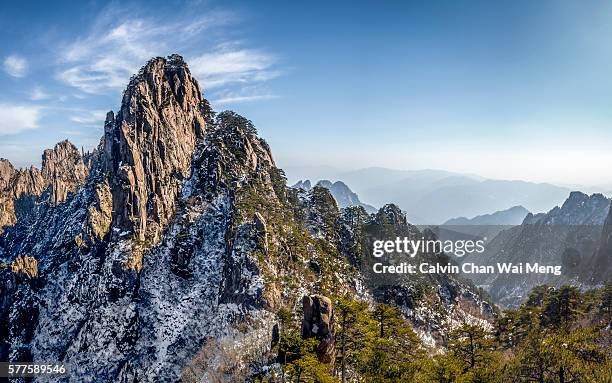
(318, 323)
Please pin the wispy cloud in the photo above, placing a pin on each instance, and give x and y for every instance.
(91, 118)
(103, 60)
(244, 94)
(240, 99)
(225, 66)
(17, 118)
(38, 93)
(15, 65)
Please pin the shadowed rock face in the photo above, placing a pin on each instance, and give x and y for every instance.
(569, 235)
(602, 271)
(318, 323)
(147, 147)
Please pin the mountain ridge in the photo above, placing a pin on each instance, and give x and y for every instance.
(511, 216)
(183, 232)
(570, 235)
(435, 196)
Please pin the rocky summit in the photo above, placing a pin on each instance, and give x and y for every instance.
(63, 172)
(174, 236)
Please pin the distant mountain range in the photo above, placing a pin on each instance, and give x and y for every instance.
(343, 195)
(572, 235)
(513, 216)
(434, 196)
(487, 225)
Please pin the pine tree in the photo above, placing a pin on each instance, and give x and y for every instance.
(353, 333)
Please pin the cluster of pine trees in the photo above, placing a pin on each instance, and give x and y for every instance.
(558, 335)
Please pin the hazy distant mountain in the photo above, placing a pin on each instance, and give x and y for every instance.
(601, 265)
(322, 172)
(343, 195)
(513, 216)
(487, 225)
(569, 235)
(435, 196)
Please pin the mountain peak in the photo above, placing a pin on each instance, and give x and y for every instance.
(63, 169)
(148, 144)
(7, 171)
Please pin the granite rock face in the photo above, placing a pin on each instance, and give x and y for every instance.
(148, 145)
(318, 323)
(7, 174)
(19, 188)
(63, 172)
(150, 256)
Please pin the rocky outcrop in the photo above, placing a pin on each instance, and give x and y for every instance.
(17, 186)
(64, 170)
(318, 322)
(181, 180)
(100, 213)
(148, 145)
(7, 174)
(25, 266)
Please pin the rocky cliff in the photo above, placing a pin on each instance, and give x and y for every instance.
(63, 172)
(178, 236)
(148, 145)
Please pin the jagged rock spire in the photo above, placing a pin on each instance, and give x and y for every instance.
(64, 170)
(148, 145)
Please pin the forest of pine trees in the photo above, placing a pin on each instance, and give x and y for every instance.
(558, 335)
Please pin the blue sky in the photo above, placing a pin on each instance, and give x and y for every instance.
(505, 89)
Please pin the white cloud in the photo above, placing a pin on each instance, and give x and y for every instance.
(38, 93)
(15, 66)
(92, 118)
(116, 46)
(234, 66)
(240, 99)
(17, 118)
(244, 94)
